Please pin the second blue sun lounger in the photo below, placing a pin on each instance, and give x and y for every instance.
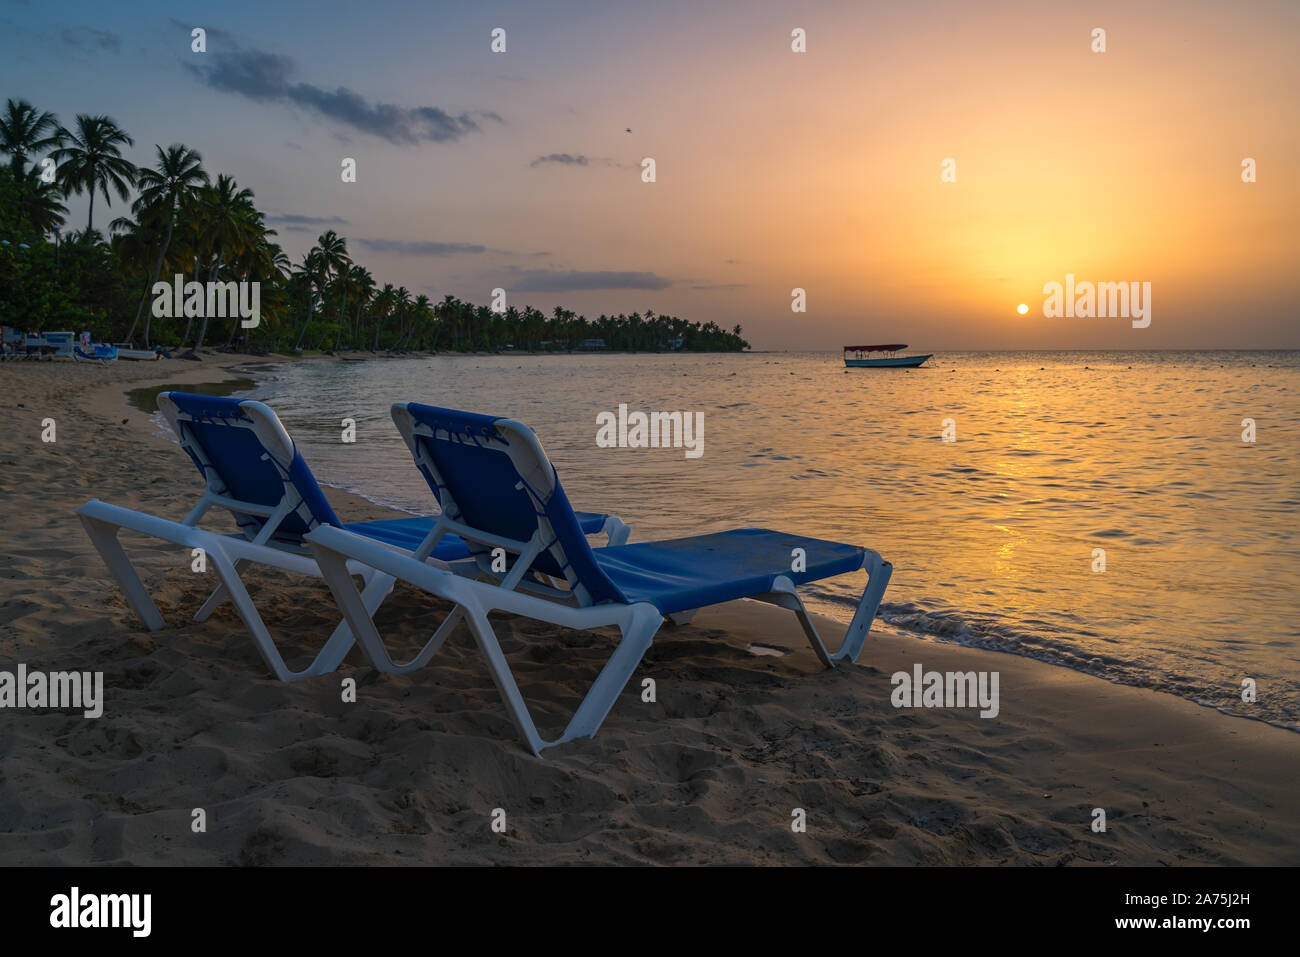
(252, 467)
(500, 494)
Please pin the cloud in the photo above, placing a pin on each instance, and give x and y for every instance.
(405, 247)
(88, 38)
(268, 78)
(574, 159)
(306, 220)
(563, 159)
(721, 285)
(574, 280)
(298, 229)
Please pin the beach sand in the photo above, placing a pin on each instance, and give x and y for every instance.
(413, 771)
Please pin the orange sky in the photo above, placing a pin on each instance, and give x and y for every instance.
(775, 169)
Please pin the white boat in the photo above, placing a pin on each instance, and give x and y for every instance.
(124, 351)
(855, 357)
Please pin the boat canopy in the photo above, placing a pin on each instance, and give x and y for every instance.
(886, 348)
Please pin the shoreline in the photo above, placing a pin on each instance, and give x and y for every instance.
(708, 777)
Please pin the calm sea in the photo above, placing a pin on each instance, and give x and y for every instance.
(992, 536)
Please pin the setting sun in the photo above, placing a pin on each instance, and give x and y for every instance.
(1022, 309)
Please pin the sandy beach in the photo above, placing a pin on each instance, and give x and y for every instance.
(412, 772)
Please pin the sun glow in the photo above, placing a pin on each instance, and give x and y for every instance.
(1022, 309)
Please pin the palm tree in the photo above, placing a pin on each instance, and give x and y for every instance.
(90, 160)
(24, 132)
(421, 312)
(164, 192)
(363, 285)
(311, 271)
(401, 303)
(259, 261)
(40, 205)
(383, 303)
(230, 225)
(334, 252)
(345, 291)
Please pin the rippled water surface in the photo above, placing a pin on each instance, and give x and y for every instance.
(992, 536)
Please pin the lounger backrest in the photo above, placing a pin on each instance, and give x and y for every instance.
(492, 474)
(244, 453)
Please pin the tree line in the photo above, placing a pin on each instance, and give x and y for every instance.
(208, 229)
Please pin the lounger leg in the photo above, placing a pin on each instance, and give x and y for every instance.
(784, 595)
(616, 531)
(219, 594)
(638, 633)
(104, 538)
(878, 571)
(323, 662)
(358, 610)
(341, 640)
(504, 678)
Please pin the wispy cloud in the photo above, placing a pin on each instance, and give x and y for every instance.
(722, 285)
(300, 220)
(269, 78)
(89, 39)
(404, 247)
(572, 159)
(561, 159)
(574, 280)
(307, 220)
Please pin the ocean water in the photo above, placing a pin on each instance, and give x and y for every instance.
(992, 535)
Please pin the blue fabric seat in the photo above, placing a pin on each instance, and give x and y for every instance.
(682, 573)
(407, 533)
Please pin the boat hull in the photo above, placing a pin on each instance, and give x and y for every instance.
(138, 355)
(99, 353)
(895, 362)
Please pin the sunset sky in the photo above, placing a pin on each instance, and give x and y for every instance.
(775, 169)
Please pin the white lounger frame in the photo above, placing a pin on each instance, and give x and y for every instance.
(230, 553)
(336, 550)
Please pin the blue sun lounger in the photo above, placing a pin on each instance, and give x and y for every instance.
(501, 495)
(252, 467)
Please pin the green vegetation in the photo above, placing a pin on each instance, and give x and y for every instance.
(183, 221)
